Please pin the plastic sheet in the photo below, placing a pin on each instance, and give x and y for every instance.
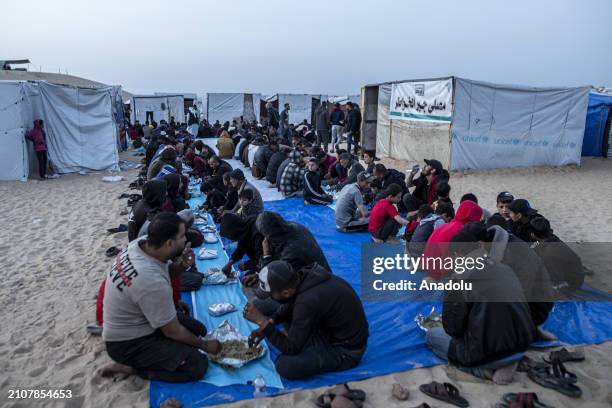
(396, 343)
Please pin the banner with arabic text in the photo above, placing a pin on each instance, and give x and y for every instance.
(422, 100)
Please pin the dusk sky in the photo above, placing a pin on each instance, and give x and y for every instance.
(315, 46)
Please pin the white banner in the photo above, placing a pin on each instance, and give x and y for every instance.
(423, 100)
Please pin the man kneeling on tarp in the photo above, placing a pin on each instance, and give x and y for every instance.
(142, 330)
(327, 327)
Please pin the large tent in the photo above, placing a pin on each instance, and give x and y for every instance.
(157, 107)
(469, 124)
(597, 129)
(226, 107)
(79, 124)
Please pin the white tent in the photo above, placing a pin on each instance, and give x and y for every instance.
(226, 107)
(79, 125)
(343, 99)
(468, 124)
(301, 106)
(162, 107)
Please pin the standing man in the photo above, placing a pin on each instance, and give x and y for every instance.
(336, 118)
(322, 124)
(192, 122)
(353, 126)
(273, 119)
(284, 130)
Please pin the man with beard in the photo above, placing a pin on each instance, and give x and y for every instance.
(144, 335)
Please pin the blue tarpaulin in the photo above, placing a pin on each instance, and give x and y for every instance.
(395, 343)
(594, 131)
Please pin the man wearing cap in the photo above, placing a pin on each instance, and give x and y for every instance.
(390, 176)
(521, 214)
(328, 330)
(351, 213)
(239, 183)
(425, 185)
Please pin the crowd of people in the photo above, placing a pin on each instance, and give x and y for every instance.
(285, 274)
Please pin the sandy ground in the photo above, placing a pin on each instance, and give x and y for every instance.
(52, 242)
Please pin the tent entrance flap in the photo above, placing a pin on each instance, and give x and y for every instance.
(370, 117)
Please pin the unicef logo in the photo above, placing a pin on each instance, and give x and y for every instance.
(485, 139)
(572, 145)
(516, 141)
(545, 143)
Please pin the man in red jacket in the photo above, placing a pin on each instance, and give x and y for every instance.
(38, 137)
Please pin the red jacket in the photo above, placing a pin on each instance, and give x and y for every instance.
(37, 136)
(438, 242)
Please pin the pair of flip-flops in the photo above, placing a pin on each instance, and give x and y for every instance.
(556, 377)
(521, 400)
(446, 392)
(341, 396)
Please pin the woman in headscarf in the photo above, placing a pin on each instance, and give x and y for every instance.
(175, 202)
(249, 239)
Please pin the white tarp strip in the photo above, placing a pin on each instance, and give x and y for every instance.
(13, 155)
(422, 101)
(300, 107)
(268, 192)
(225, 107)
(513, 126)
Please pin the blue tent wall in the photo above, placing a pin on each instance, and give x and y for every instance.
(597, 115)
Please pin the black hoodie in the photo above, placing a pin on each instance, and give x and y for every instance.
(174, 183)
(244, 232)
(290, 242)
(273, 165)
(324, 304)
(153, 196)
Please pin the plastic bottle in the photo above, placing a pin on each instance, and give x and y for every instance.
(259, 391)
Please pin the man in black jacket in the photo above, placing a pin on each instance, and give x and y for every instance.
(262, 158)
(328, 330)
(313, 193)
(275, 161)
(220, 167)
(353, 126)
(488, 323)
(154, 194)
(521, 215)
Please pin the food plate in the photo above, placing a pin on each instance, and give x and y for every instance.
(206, 253)
(214, 276)
(235, 352)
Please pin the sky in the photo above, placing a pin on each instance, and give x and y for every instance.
(320, 47)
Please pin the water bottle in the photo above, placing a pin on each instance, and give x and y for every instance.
(259, 391)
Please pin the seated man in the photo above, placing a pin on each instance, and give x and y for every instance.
(167, 157)
(385, 221)
(225, 145)
(292, 178)
(351, 214)
(443, 190)
(487, 323)
(244, 232)
(273, 165)
(328, 330)
(143, 333)
(240, 184)
(426, 219)
(219, 168)
(352, 168)
(425, 184)
(246, 207)
(562, 263)
(313, 193)
(154, 194)
(262, 158)
(522, 214)
(214, 197)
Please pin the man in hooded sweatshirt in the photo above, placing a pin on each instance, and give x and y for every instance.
(154, 194)
(175, 202)
(488, 323)
(437, 244)
(249, 242)
(292, 179)
(262, 158)
(167, 156)
(225, 145)
(273, 165)
(521, 213)
(328, 330)
(37, 136)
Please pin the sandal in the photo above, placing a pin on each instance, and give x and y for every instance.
(557, 378)
(444, 392)
(524, 400)
(564, 355)
(527, 363)
(120, 228)
(345, 392)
